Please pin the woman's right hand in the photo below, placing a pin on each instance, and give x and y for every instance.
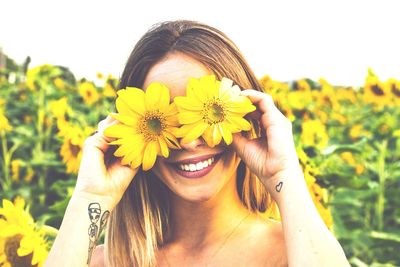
(97, 179)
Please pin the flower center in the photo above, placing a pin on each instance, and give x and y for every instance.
(10, 249)
(152, 125)
(74, 149)
(377, 90)
(395, 90)
(214, 111)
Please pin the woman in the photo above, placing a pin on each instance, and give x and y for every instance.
(162, 218)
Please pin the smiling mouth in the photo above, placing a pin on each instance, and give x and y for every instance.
(202, 166)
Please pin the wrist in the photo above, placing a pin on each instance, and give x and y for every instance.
(85, 198)
(287, 184)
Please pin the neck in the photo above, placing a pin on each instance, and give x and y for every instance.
(197, 225)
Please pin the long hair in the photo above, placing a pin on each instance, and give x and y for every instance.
(139, 224)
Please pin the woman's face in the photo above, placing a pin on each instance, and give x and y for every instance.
(199, 185)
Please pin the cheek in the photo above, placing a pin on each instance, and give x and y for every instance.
(159, 169)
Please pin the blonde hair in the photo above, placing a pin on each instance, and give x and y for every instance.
(139, 224)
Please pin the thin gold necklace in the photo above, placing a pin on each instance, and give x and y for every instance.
(220, 247)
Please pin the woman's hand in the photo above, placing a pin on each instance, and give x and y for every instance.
(275, 153)
(98, 179)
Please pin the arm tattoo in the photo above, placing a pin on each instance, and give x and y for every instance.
(94, 232)
(278, 187)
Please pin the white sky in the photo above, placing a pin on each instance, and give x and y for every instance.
(337, 40)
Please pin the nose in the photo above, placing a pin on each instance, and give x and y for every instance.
(192, 146)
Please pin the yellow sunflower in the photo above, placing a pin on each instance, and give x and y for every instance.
(318, 194)
(59, 83)
(394, 86)
(148, 125)
(21, 244)
(89, 93)
(4, 124)
(313, 133)
(300, 99)
(376, 92)
(212, 109)
(71, 150)
(357, 131)
(109, 90)
(58, 108)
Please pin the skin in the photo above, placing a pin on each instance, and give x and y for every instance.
(206, 210)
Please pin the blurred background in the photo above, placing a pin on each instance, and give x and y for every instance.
(333, 68)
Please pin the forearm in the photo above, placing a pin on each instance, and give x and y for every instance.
(77, 235)
(308, 241)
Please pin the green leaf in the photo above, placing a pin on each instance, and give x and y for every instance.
(337, 148)
(385, 236)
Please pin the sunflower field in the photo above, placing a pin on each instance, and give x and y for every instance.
(347, 138)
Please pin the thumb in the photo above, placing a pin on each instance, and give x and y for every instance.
(94, 148)
(239, 142)
(122, 174)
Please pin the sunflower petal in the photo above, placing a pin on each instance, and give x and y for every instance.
(172, 110)
(195, 132)
(216, 135)
(163, 147)
(225, 132)
(188, 103)
(157, 97)
(238, 123)
(171, 139)
(129, 144)
(240, 105)
(119, 130)
(194, 90)
(125, 108)
(135, 153)
(150, 155)
(123, 150)
(182, 131)
(189, 117)
(137, 160)
(128, 120)
(117, 142)
(134, 97)
(207, 136)
(210, 85)
(225, 88)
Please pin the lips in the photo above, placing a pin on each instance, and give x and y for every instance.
(196, 159)
(197, 173)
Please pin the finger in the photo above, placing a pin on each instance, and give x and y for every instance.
(239, 142)
(104, 124)
(95, 147)
(271, 114)
(122, 173)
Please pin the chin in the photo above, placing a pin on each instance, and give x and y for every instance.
(195, 195)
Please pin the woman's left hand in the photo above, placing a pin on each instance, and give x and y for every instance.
(275, 153)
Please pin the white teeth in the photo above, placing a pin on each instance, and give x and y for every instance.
(192, 167)
(196, 167)
(199, 166)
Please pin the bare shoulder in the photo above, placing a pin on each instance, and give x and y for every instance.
(97, 259)
(269, 242)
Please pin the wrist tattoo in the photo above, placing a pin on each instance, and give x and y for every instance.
(278, 187)
(94, 211)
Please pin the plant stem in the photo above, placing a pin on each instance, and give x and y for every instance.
(39, 147)
(380, 205)
(6, 184)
